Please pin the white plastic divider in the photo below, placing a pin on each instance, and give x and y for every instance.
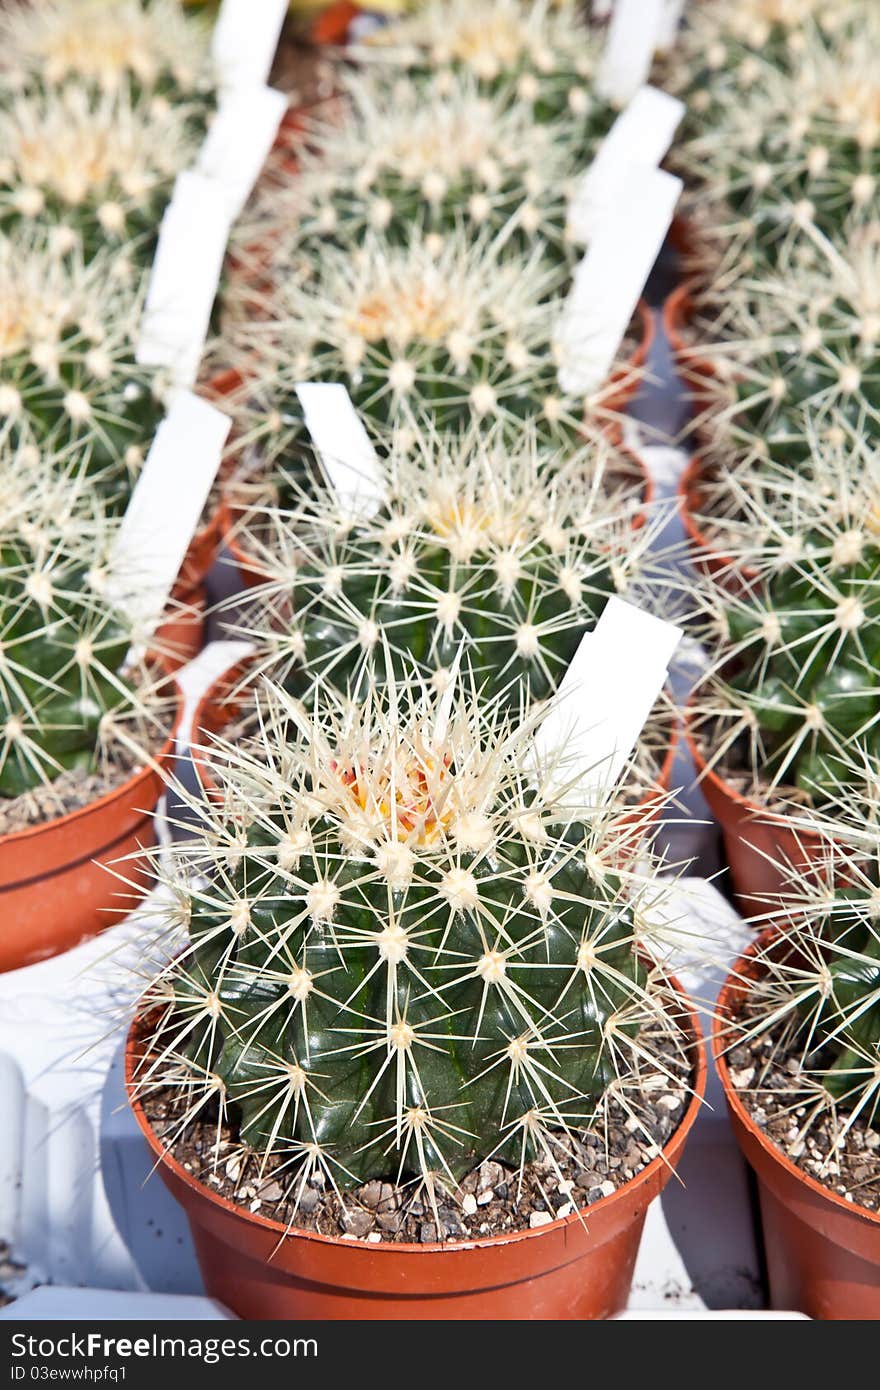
(634, 35)
(244, 40)
(343, 446)
(640, 137)
(610, 279)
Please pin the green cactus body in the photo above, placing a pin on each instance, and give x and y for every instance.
(60, 650)
(799, 148)
(95, 172)
(439, 156)
(402, 959)
(808, 643)
(457, 331)
(155, 49)
(476, 546)
(546, 54)
(67, 369)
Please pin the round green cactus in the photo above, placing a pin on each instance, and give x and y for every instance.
(104, 45)
(507, 552)
(441, 156)
(403, 956)
(449, 326)
(799, 353)
(543, 51)
(96, 170)
(67, 369)
(62, 700)
(800, 148)
(801, 654)
(817, 984)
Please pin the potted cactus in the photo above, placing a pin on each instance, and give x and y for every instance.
(155, 49)
(510, 549)
(797, 146)
(797, 1044)
(444, 154)
(413, 993)
(93, 169)
(542, 51)
(67, 370)
(450, 326)
(87, 722)
(786, 357)
(793, 686)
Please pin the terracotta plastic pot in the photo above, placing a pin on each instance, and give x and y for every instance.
(578, 1267)
(763, 850)
(723, 569)
(624, 384)
(55, 886)
(182, 635)
(823, 1253)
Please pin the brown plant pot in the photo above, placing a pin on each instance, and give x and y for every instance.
(57, 884)
(823, 1253)
(723, 569)
(332, 25)
(763, 849)
(577, 1267)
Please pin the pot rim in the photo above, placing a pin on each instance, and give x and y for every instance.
(686, 483)
(390, 1249)
(759, 813)
(155, 767)
(725, 1012)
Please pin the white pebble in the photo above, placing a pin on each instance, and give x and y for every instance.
(607, 1188)
(540, 1218)
(469, 1204)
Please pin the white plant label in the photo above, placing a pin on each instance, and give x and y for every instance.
(595, 718)
(641, 135)
(164, 510)
(244, 40)
(610, 279)
(672, 13)
(633, 36)
(184, 277)
(239, 140)
(343, 446)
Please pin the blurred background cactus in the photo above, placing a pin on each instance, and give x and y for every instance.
(63, 704)
(403, 956)
(97, 170)
(67, 369)
(148, 47)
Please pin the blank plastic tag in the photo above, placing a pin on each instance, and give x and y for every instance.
(164, 510)
(611, 277)
(343, 446)
(245, 39)
(184, 278)
(668, 32)
(239, 140)
(633, 35)
(641, 135)
(595, 718)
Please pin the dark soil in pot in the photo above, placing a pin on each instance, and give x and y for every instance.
(795, 1111)
(496, 1198)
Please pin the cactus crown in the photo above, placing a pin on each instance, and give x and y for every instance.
(547, 52)
(101, 168)
(802, 635)
(105, 45)
(817, 989)
(446, 324)
(437, 155)
(63, 704)
(67, 370)
(403, 957)
(507, 550)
